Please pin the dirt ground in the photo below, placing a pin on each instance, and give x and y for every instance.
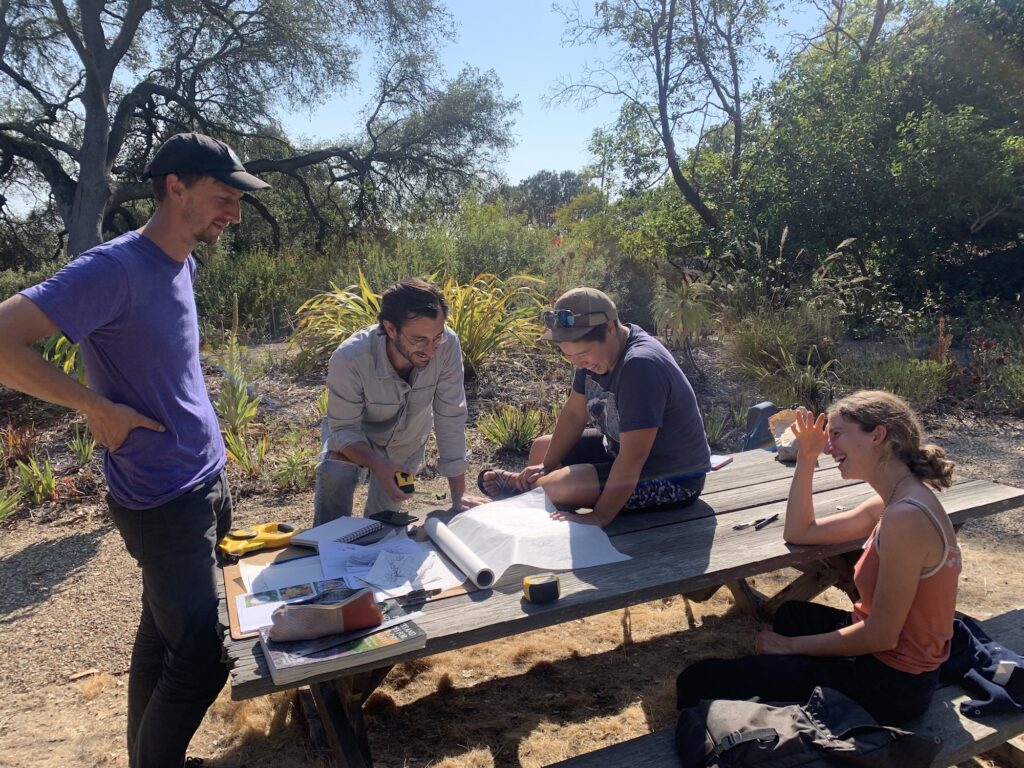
(69, 605)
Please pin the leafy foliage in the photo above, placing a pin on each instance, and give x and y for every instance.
(65, 355)
(235, 406)
(511, 427)
(37, 481)
(81, 445)
(10, 500)
(488, 314)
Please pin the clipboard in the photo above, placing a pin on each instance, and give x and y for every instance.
(234, 586)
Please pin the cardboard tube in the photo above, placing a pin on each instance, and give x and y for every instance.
(461, 555)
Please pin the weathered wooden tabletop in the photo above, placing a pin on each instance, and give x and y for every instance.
(673, 552)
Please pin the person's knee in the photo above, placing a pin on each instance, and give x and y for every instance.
(539, 449)
(333, 490)
(694, 681)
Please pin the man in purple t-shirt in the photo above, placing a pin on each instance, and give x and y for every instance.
(129, 304)
(647, 449)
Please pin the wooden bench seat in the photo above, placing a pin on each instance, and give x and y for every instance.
(962, 738)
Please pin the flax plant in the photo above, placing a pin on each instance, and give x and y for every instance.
(10, 499)
(488, 314)
(81, 445)
(37, 480)
(511, 428)
(327, 319)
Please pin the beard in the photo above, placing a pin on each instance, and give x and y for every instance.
(414, 358)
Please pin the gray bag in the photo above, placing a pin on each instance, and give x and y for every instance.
(829, 730)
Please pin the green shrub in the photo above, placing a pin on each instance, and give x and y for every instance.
(767, 339)
(235, 407)
(787, 381)
(14, 280)
(490, 313)
(922, 382)
(36, 480)
(269, 287)
(247, 451)
(327, 319)
(10, 500)
(511, 428)
(487, 314)
(62, 353)
(1010, 387)
(81, 445)
(717, 425)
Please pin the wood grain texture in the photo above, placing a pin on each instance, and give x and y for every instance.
(672, 553)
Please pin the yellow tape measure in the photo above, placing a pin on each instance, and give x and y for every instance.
(541, 587)
(241, 541)
(405, 483)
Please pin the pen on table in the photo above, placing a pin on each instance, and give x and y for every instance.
(767, 521)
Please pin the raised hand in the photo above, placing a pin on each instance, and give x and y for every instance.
(811, 437)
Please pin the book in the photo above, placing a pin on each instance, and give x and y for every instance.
(299, 659)
(343, 529)
(717, 461)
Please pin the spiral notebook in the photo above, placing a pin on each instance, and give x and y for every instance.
(344, 529)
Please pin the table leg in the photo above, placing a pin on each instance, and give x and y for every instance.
(340, 705)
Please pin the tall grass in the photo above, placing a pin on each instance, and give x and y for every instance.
(922, 382)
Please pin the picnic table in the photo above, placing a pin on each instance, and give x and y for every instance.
(690, 551)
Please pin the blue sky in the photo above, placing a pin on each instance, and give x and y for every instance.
(521, 41)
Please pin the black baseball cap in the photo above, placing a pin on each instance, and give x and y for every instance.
(196, 153)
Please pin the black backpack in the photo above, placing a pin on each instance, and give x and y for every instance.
(829, 730)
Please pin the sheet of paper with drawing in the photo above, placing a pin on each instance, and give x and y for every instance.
(421, 568)
(519, 530)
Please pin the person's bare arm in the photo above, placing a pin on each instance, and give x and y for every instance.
(22, 324)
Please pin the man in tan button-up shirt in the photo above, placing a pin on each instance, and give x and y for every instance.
(387, 385)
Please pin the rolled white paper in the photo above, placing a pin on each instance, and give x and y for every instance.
(461, 555)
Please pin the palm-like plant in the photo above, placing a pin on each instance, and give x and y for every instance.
(487, 314)
(327, 319)
(685, 310)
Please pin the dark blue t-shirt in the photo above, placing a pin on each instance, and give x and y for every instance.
(131, 308)
(646, 389)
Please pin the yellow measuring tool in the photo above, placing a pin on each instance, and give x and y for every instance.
(541, 587)
(241, 541)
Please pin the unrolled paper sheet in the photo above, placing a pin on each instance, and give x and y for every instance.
(463, 557)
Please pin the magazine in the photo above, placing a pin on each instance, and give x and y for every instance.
(297, 659)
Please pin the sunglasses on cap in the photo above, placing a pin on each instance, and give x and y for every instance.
(565, 318)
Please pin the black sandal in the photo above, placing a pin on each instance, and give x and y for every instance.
(504, 481)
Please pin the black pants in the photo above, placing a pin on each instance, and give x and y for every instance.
(890, 695)
(176, 668)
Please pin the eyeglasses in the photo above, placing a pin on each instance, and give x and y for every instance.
(422, 342)
(565, 318)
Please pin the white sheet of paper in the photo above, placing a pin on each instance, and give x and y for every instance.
(519, 530)
(393, 570)
(340, 560)
(260, 578)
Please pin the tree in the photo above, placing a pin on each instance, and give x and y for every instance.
(540, 195)
(87, 91)
(677, 67)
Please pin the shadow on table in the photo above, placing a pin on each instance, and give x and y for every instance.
(31, 575)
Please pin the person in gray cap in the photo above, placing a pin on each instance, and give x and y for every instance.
(129, 304)
(648, 448)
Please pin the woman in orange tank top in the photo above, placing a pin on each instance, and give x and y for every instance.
(886, 652)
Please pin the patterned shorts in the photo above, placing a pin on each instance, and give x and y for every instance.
(650, 493)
